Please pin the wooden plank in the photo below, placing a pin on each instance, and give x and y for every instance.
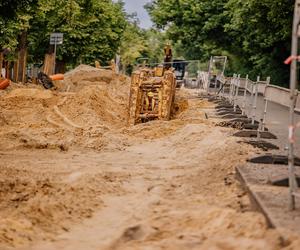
(48, 64)
(1, 63)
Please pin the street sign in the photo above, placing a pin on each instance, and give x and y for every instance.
(56, 38)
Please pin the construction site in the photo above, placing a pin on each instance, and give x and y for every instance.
(174, 155)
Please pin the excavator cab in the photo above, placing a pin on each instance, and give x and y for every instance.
(180, 68)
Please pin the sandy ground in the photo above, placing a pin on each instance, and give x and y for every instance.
(83, 179)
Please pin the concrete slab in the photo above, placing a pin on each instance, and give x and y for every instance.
(264, 145)
(275, 159)
(272, 201)
(232, 116)
(224, 105)
(227, 109)
(283, 181)
(245, 120)
(227, 112)
(251, 126)
(253, 134)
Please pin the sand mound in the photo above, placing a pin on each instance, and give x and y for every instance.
(30, 93)
(88, 104)
(86, 75)
(94, 105)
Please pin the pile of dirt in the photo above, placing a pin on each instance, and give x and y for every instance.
(86, 106)
(85, 75)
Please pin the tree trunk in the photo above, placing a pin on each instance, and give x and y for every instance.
(8, 69)
(60, 67)
(20, 64)
(15, 71)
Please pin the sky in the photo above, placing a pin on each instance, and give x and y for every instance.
(137, 6)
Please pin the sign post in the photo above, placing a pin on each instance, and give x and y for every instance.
(56, 39)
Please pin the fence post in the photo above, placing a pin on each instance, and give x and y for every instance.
(259, 128)
(252, 97)
(293, 90)
(216, 85)
(234, 88)
(265, 106)
(223, 89)
(208, 82)
(209, 74)
(236, 92)
(245, 96)
(231, 88)
(255, 101)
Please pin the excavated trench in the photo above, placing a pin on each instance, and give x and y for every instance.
(75, 176)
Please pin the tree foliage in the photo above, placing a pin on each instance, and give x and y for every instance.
(92, 29)
(133, 45)
(14, 17)
(140, 44)
(254, 34)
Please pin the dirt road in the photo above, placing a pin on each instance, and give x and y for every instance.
(158, 185)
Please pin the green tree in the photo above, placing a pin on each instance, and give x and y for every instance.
(14, 16)
(262, 32)
(92, 29)
(254, 34)
(138, 44)
(155, 43)
(132, 47)
(197, 25)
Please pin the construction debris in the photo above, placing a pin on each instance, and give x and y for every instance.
(45, 80)
(231, 124)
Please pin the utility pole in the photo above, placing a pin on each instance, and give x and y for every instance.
(293, 96)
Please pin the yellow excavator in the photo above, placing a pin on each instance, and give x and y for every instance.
(152, 91)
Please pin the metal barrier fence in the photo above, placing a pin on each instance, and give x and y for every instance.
(282, 96)
(270, 93)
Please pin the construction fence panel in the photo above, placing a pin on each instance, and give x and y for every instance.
(272, 93)
(196, 75)
(278, 95)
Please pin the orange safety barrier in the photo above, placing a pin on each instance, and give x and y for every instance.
(4, 83)
(57, 77)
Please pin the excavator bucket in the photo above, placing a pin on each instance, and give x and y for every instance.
(151, 96)
(152, 91)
